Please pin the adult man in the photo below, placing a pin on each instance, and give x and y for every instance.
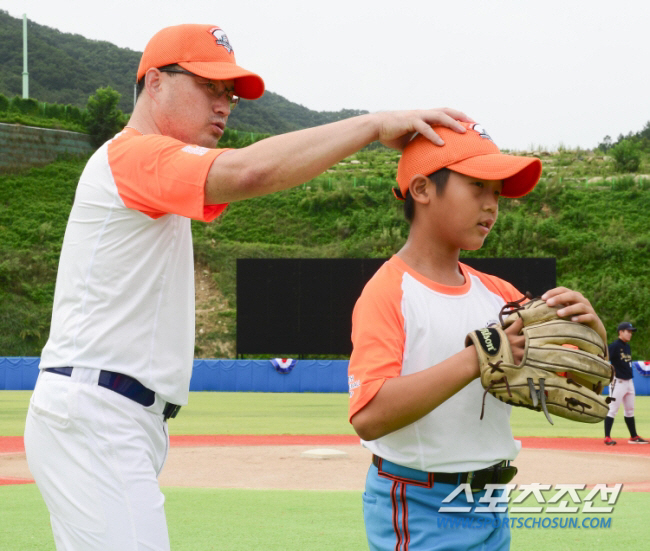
(622, 387)
(118, 361)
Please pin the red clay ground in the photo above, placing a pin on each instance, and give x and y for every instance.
(275, 461)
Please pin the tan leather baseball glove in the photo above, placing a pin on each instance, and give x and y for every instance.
(554, 346)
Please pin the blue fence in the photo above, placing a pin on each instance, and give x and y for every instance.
(219, 375)
(244, 376)
(641, 375)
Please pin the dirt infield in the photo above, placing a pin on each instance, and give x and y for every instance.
(277, 462)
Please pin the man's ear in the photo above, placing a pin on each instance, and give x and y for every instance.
(420, 189)
(152, 81)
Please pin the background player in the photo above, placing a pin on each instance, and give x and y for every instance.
(118, 360)
(622, 387)
(414, 395)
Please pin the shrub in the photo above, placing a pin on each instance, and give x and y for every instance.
(627, 156)
(28, 106)
(73, 113)
(104, 119)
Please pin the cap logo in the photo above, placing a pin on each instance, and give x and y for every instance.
(221, 38)
(481, 132)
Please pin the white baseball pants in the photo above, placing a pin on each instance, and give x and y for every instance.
(95, 456)
(622, 390)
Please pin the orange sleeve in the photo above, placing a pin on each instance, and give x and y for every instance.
(159, 175)
(378, 337)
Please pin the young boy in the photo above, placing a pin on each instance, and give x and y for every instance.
(415, 400)
(622, 387)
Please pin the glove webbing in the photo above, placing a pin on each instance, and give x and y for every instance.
(513, 306)
(538, 396)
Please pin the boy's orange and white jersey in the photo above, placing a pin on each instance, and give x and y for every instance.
(124, 297)
(404, 323)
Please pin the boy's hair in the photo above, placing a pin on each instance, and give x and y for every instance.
(439, 178)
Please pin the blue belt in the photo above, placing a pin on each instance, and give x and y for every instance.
(127, 387)
(501, 473)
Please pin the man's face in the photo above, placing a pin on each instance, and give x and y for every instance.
(625, 335)
(193, 109)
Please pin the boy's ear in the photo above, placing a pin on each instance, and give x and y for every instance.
(420, 188)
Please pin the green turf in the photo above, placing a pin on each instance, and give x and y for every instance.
(260, 520)
(25, 524)
(248, 520)
(622, 530)
(263, 413)
(526, 422)
(13, 409)
(264, 520)
(226, 413)
(304, 413)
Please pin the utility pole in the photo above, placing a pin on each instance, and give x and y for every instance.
(25, 73)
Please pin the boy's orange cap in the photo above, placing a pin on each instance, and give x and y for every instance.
(203, 50)
(473, 154)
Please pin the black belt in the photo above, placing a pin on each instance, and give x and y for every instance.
(501, 473)
(126, 386)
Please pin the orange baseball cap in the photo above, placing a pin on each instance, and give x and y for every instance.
(473, 154)
(203, 50)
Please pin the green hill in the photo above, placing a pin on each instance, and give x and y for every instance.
(591, 218)
(68, 68)
(599, 232)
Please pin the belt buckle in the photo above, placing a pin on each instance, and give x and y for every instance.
(489, 475)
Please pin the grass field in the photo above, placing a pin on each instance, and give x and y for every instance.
(256, 520)
(251, 520)
(305, 413)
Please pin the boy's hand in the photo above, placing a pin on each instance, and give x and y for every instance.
(517, 341)
(574, 306)
(397, 127)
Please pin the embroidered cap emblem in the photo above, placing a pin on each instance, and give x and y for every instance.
(481, 132)
(221, 38)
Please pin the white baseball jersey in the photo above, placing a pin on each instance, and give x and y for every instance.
(124, 297)
(404, 323)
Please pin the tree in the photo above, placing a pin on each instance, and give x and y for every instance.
(104, 119)
(606, 144)
(627, 156)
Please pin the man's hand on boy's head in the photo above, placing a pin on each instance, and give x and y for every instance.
(574, 306)
(397, 127)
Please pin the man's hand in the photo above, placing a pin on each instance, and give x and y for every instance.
(398, 127)
(287, 160)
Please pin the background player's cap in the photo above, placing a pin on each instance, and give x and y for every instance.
(626, 325)
(203, 50)
(473, 154)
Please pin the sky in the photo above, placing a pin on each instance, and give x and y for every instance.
(536, 75)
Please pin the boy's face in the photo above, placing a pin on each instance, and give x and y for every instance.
(466, 211)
